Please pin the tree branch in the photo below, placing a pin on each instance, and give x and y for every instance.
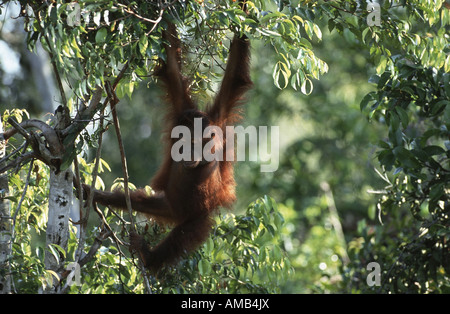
(49, 151)
(83, 117)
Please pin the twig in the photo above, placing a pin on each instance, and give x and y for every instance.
(21, 159)
(108, 227)
(112, 102)
(78, 188)
(89, 256)
(15, 151)
(131, 12)
(123, 221)
(83, 117)
(91, 195)
(161, 12)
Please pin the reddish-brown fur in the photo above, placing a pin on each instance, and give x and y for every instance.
(187, 196)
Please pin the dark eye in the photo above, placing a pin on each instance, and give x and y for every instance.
(213, 135)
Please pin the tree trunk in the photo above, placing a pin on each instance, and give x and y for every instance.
(5, 224)
(59, 206)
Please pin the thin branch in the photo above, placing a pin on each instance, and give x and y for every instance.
(108, 227)
(54, 144)
(18, 161)
(161, 12)
(89, 256)
(94, 248)
(15, 151)
(91, 195)
(77, 185)
(113, 101)
(131, 12)
(83, 117)
(49, 151)
(122, 73)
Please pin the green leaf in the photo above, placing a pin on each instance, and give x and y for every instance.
(233, 17)
(394, 124)
(75, 47)
(100, 37)
(268, 202)
(309, 29)
(57, 251)
(49, 276)
(283, 69)
(289, 27)
(66, 51)
(304, 86)
(436, 191)
(278, 220)
(143, 45)
(363, 35)
(331, 25)
(405, 157)
(434, 150)
(365, 101)
(103, 163)
(317, 31)
(209, 246)
(295, 80)
(403, 116)
(381, 67)
(271, 230)
(386, 158)
(383, 79)
(276, 253)
(268, 33)
(204, 267)
(305, 43)
(53, 14)
(262, 255)
(439, 106)
(383, 144)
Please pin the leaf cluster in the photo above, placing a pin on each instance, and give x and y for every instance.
(241, 256)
